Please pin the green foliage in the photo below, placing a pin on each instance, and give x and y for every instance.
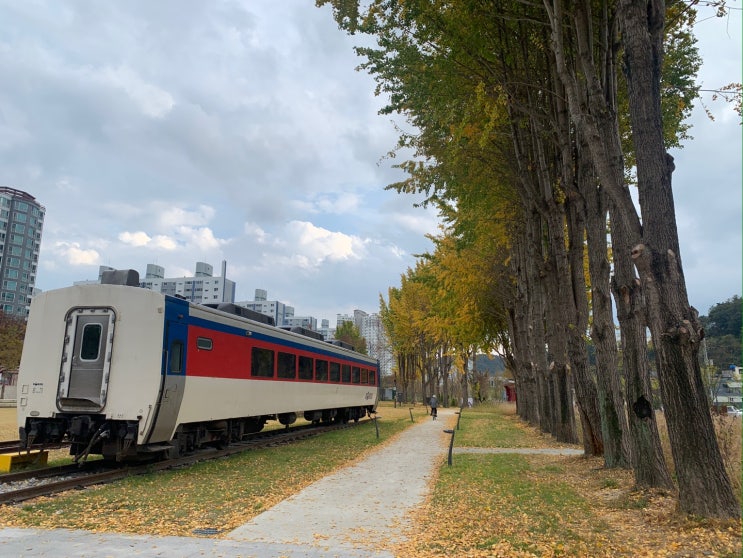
(723, 332)
(725, 318)
(681, 62)
(12, 332)
(349, 333)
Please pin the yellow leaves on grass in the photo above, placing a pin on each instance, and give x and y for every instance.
(557, 507)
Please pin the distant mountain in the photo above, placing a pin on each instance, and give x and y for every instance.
(492, 364)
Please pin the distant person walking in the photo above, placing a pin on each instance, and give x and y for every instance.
(434, 406)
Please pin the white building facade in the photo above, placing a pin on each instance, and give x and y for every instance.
(280, 312)
(307, 322)
(202, 288)
(327, 332)
(371, 329)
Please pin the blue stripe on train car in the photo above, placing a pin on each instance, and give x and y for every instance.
(240, 331)
(177, 311)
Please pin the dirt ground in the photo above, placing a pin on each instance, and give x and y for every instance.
(8, 424)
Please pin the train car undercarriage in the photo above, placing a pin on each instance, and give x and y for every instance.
(115, 440)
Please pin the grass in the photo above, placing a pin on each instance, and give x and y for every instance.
(508, 505)
(498, 427)
(221, 494)
(514, 505)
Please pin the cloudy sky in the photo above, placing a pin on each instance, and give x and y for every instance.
(180, 131)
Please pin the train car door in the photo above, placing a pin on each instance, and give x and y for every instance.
(86, 359)
(173, 377)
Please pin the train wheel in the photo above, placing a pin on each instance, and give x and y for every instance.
(254, 425)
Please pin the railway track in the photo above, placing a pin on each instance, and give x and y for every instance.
(15, 446)
(25, 485)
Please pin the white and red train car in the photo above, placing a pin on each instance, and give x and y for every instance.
(123, 371)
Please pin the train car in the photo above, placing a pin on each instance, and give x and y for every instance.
(126, 372)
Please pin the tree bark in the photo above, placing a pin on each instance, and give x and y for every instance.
(527, 389)
(704, 487)
(648, 461)
(597, 438)
(614, 424)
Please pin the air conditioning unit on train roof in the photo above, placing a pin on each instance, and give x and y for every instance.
(125, 277)
(237, 310)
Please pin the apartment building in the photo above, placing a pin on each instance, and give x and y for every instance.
(202, 288)
(21, 224)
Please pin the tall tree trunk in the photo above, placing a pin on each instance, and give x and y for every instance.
(597, 439)
(535, 301)
(524, 374)
(558, 309)
(592, 102)
(704, 487)
(614, 424)
(648, 461)
(571, 212)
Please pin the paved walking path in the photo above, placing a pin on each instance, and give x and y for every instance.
(357, 511)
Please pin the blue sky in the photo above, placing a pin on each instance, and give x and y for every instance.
(176, 132)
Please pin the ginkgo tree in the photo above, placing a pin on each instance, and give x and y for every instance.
(522, 99)
(349, 333)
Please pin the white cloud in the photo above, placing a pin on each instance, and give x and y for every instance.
(317, 244)
(152, 100)
(257, 142)
(65, 184)
(418, 223)
(255, 233)
(202, 238)
(138, 238)
(73, 254)
(164, 242)
(173, 217)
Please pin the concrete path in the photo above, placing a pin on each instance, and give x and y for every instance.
(523, 451)
(357, 511)
(362, 506)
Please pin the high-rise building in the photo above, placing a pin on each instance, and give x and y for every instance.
(202, 288)
(280, 312)
(340, 319)
(21, 222)
(377, 343)
(370, 327)
(327, 333)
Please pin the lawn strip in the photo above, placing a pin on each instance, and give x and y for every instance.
(515, 506)
(216, 495)
(496, 504)
(498, 426)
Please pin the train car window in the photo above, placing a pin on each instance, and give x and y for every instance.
(364, 376)
(262, 363)
(287, 366)
(204, 343)
(335, 372)
(176, 357)
(306, 365)
(91, 342)
(346, 374)
(372, 378)
(321, 370)
(355, 375)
